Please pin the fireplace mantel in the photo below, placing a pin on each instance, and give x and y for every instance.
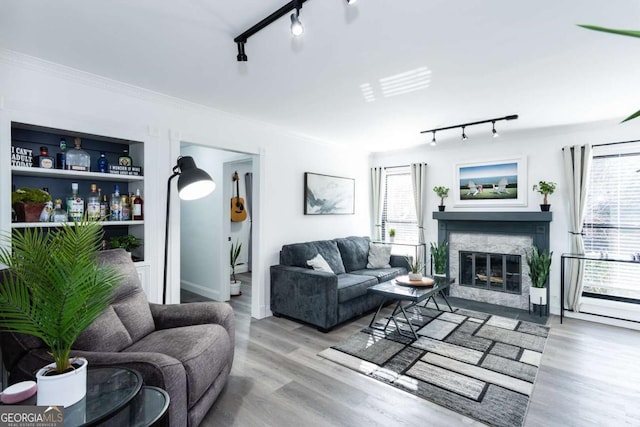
(494, 216)
(535, 224)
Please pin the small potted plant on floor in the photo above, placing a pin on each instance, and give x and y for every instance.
(545, 188)
(439, 258)
(443, 193)
(539, 266)
(392, 234)
(236, 248)
(28, 203)
(53, 289)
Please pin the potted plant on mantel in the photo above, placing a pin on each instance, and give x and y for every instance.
(236, 248)
(439, 258)
(54, 289)
(545, 188)
(539, 266)
(443, 193)
(28, 203)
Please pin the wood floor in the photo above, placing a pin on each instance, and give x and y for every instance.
(590, 376)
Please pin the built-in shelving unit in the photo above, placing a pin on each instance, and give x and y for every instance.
(58, 181)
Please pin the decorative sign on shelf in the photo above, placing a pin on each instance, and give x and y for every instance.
(125, 170)
(21, 156)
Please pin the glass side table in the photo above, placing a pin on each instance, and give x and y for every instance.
(148, 408)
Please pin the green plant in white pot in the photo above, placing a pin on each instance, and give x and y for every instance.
(415, 269)
(539, 267)
(236, 249)
(439, 257)
(53, 290)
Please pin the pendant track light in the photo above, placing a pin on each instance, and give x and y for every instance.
(464, 125)
(296, 26)
(350, 2)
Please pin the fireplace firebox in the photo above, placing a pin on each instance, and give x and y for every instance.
(491, 271)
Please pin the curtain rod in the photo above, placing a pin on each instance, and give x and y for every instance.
(612, 143)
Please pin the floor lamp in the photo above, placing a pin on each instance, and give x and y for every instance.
(193, 183)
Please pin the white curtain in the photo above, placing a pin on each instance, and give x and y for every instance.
(419, 184)
(577, 167)
(377, 185)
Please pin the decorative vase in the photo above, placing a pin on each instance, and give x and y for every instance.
(28, 212)
(545, 208)
(62, 389)
(415, 277)
(392, 238)
(441, 208)
(538, 296)
(234, 287)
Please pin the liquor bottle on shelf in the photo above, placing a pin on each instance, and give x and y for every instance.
(58, 214)
(75, 204)
(125, 158)
(126, 208)
(104, 207)
(116, 204)
(93, 204)
(44, 160)
(103, 163)
(45, 215)
(138, 206)
(61, 157)
(77, 158)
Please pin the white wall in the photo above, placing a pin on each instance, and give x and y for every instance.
(543, 150)
(37, 92)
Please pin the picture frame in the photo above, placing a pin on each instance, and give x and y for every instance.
(501, 182)
(328, 195)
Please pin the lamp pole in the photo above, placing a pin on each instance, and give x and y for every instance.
(166, 236)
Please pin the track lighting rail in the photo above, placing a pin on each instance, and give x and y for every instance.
(463, 125)
(242, 38)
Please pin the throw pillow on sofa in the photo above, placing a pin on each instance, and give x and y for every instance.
(379, 256)
(320, 264)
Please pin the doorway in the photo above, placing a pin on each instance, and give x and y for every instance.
(206, 231)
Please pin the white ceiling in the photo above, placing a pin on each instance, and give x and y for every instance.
(482, 59)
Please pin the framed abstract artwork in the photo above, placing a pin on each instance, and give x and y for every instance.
(491, 183)
(328, 195)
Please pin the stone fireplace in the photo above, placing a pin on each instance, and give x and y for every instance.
(487, 253)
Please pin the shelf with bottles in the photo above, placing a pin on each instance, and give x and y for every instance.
(59, 224)
(109, 159)
(60, 173)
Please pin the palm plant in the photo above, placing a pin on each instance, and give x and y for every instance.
(54, 288)
(439, 254)
(539, 266)
(236, 248)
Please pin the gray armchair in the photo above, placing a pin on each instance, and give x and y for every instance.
(186, 349)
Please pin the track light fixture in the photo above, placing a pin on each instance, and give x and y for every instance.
(464, 125)
(350, 2)
(433, 141)
(296, 26)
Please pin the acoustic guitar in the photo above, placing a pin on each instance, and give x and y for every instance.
(238, 212)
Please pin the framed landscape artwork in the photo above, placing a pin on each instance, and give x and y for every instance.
(491, 183)
(328, 195)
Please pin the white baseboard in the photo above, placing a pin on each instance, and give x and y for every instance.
(200, 290)
(603, 319)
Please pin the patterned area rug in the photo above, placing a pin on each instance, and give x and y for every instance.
(479, 365)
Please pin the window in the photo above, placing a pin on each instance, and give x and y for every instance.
(399, 210)
(612, 224)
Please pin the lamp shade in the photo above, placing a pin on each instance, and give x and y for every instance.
(193, 182)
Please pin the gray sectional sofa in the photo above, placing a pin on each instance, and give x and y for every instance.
(325, 299)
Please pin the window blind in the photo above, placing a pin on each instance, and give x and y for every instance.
(612, 227)
(398, 211)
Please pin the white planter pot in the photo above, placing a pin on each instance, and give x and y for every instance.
(415, 276)
(234, 287)
(536, 295)
(64, 389)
